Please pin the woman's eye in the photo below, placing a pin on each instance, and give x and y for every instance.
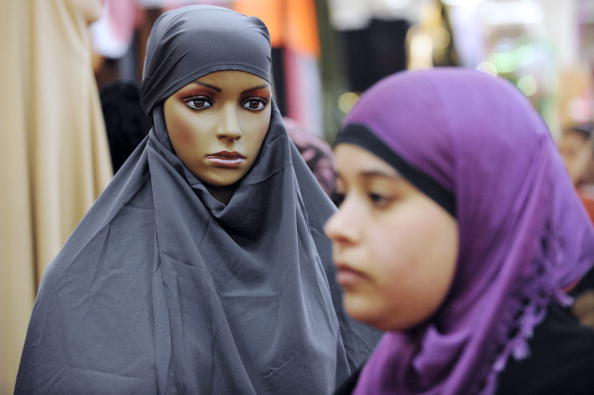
(379, 201)
(198, 103)
(254, 104)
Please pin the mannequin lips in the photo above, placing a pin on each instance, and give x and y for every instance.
(226, 159)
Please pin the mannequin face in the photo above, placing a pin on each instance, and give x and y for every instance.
(217, 124)
(395, 248)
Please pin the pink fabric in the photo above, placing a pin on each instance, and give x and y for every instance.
(316, 153)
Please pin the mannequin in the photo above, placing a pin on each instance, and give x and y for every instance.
(203, 268)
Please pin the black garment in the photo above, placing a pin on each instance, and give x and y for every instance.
(585, 284)
(561, 361)
(375, 51)
(125, 122)
(348, 387)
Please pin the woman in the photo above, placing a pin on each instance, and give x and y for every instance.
(203, 268)
(457, 232)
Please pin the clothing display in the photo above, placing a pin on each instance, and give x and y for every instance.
(164, 289)
(54, 158)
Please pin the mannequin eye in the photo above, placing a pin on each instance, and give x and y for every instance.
(198, 102)
(254, 104)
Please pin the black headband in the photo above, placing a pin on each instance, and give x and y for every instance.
(361, 136)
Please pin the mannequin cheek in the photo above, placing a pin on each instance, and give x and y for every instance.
(254, 130)
(183, 136)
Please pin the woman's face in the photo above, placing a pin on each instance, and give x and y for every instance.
(217, 123)
(395, 249)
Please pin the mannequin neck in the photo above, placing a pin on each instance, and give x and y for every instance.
(222, 193)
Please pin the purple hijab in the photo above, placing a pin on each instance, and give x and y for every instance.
(524, 235)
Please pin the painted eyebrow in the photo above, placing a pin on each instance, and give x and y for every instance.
(209, 86)
(216, 88)
(255, 88)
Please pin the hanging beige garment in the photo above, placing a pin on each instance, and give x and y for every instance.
(54, 158)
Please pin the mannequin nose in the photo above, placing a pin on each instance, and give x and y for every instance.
(229, 124)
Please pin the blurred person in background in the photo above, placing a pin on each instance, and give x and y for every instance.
(54, 159)
(577, 149)
(457, 231)
(316, 153)
(203, 267)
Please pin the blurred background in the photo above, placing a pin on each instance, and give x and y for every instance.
(326, 53)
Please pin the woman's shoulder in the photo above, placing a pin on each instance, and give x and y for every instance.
(561, 359)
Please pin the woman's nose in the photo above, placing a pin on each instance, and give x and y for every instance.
(342, 227)
(229, 126)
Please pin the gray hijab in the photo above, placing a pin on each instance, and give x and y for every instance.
(162, 289)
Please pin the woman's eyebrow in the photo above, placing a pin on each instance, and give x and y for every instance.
(373, 174)
(379, 173)
(209, 86)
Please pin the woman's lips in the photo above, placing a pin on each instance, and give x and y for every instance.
(226, 159)
(347, 276)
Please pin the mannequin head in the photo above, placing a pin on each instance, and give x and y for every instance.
(217, 123)
(208, 70)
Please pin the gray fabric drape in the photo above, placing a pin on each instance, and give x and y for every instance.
(163, 289)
